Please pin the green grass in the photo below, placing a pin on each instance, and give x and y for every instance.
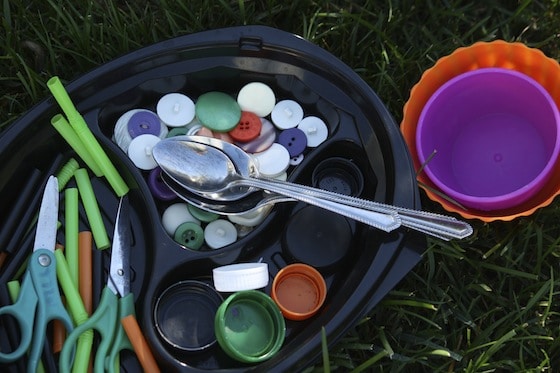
(488, 303)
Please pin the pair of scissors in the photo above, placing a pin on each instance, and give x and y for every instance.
(39, 300)
(117, 302)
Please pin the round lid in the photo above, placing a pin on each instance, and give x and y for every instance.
(240, 276)
(257, 98)
(273, 161)
(140, 151)
(184, 315)
(299, 290)
(249, 326)
(175, 109)
(217, 111)
(220, 233)
(315, 130)
(286, 114)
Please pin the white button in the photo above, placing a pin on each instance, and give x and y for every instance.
(251, 218)
(294, 161)
(240, 276)
(140, 151)
(175, 215)
(286, 114)
(273, 161)
(256, 97)
(175, 109)
(315, 130)
(220, 233)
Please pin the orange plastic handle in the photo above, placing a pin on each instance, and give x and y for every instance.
(139, 344)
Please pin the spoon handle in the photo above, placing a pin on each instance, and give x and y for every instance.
(437, 225)
(385, 221)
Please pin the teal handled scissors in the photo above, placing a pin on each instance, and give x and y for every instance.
(106, 319)
(39, 299)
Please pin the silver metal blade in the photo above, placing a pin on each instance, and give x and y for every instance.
(119, 271)
(45, 238)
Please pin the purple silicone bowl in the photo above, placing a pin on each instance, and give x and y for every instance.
(489, 138)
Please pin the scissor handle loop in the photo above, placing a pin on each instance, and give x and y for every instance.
(103, 321)
(39, 303)
(24, 312)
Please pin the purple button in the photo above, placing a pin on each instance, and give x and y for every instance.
(144, 123)
(294, 140)
(157, 186)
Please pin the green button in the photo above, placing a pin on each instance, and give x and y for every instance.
(218, 111)
(202, 215)
(189, 234)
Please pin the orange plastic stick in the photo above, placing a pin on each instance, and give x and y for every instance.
(139, 343)
(85, 248)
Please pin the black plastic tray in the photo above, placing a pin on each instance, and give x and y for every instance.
(360, 127)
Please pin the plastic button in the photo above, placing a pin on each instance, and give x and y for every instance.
(294, 140)
(140, 151)
(315, 130)
(294, 161)
(240, 276)
(266, 138)
(120, 134)
(217, 111)
(144, 122)
(248, 128)
(273, 161)
(220, 233)
(257, 98)
(189, 234)
(286, 114)
(157, 186)
(202, 215)
(175, 109)
(175, 215)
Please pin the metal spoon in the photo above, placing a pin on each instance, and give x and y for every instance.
(437, 225)
(207, 171)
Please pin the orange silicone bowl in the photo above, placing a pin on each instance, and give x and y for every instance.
(516, 56)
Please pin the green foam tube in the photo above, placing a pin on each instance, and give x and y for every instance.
(66, 172)
(81, 129)
(92, 209)
(71, 230)
(77, 311)
(67, 132)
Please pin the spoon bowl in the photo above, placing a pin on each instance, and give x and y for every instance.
(210, 173)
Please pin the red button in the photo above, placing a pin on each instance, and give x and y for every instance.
(248, 128)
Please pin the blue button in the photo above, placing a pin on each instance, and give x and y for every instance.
(294, 140)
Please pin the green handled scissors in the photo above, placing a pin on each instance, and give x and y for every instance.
(39, 299)
(106, 319)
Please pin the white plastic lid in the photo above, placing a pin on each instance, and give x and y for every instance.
(175, 109)
(240, 276)
(140, 151)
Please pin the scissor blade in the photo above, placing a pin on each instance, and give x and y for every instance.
(45, 238)
(119, 272)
